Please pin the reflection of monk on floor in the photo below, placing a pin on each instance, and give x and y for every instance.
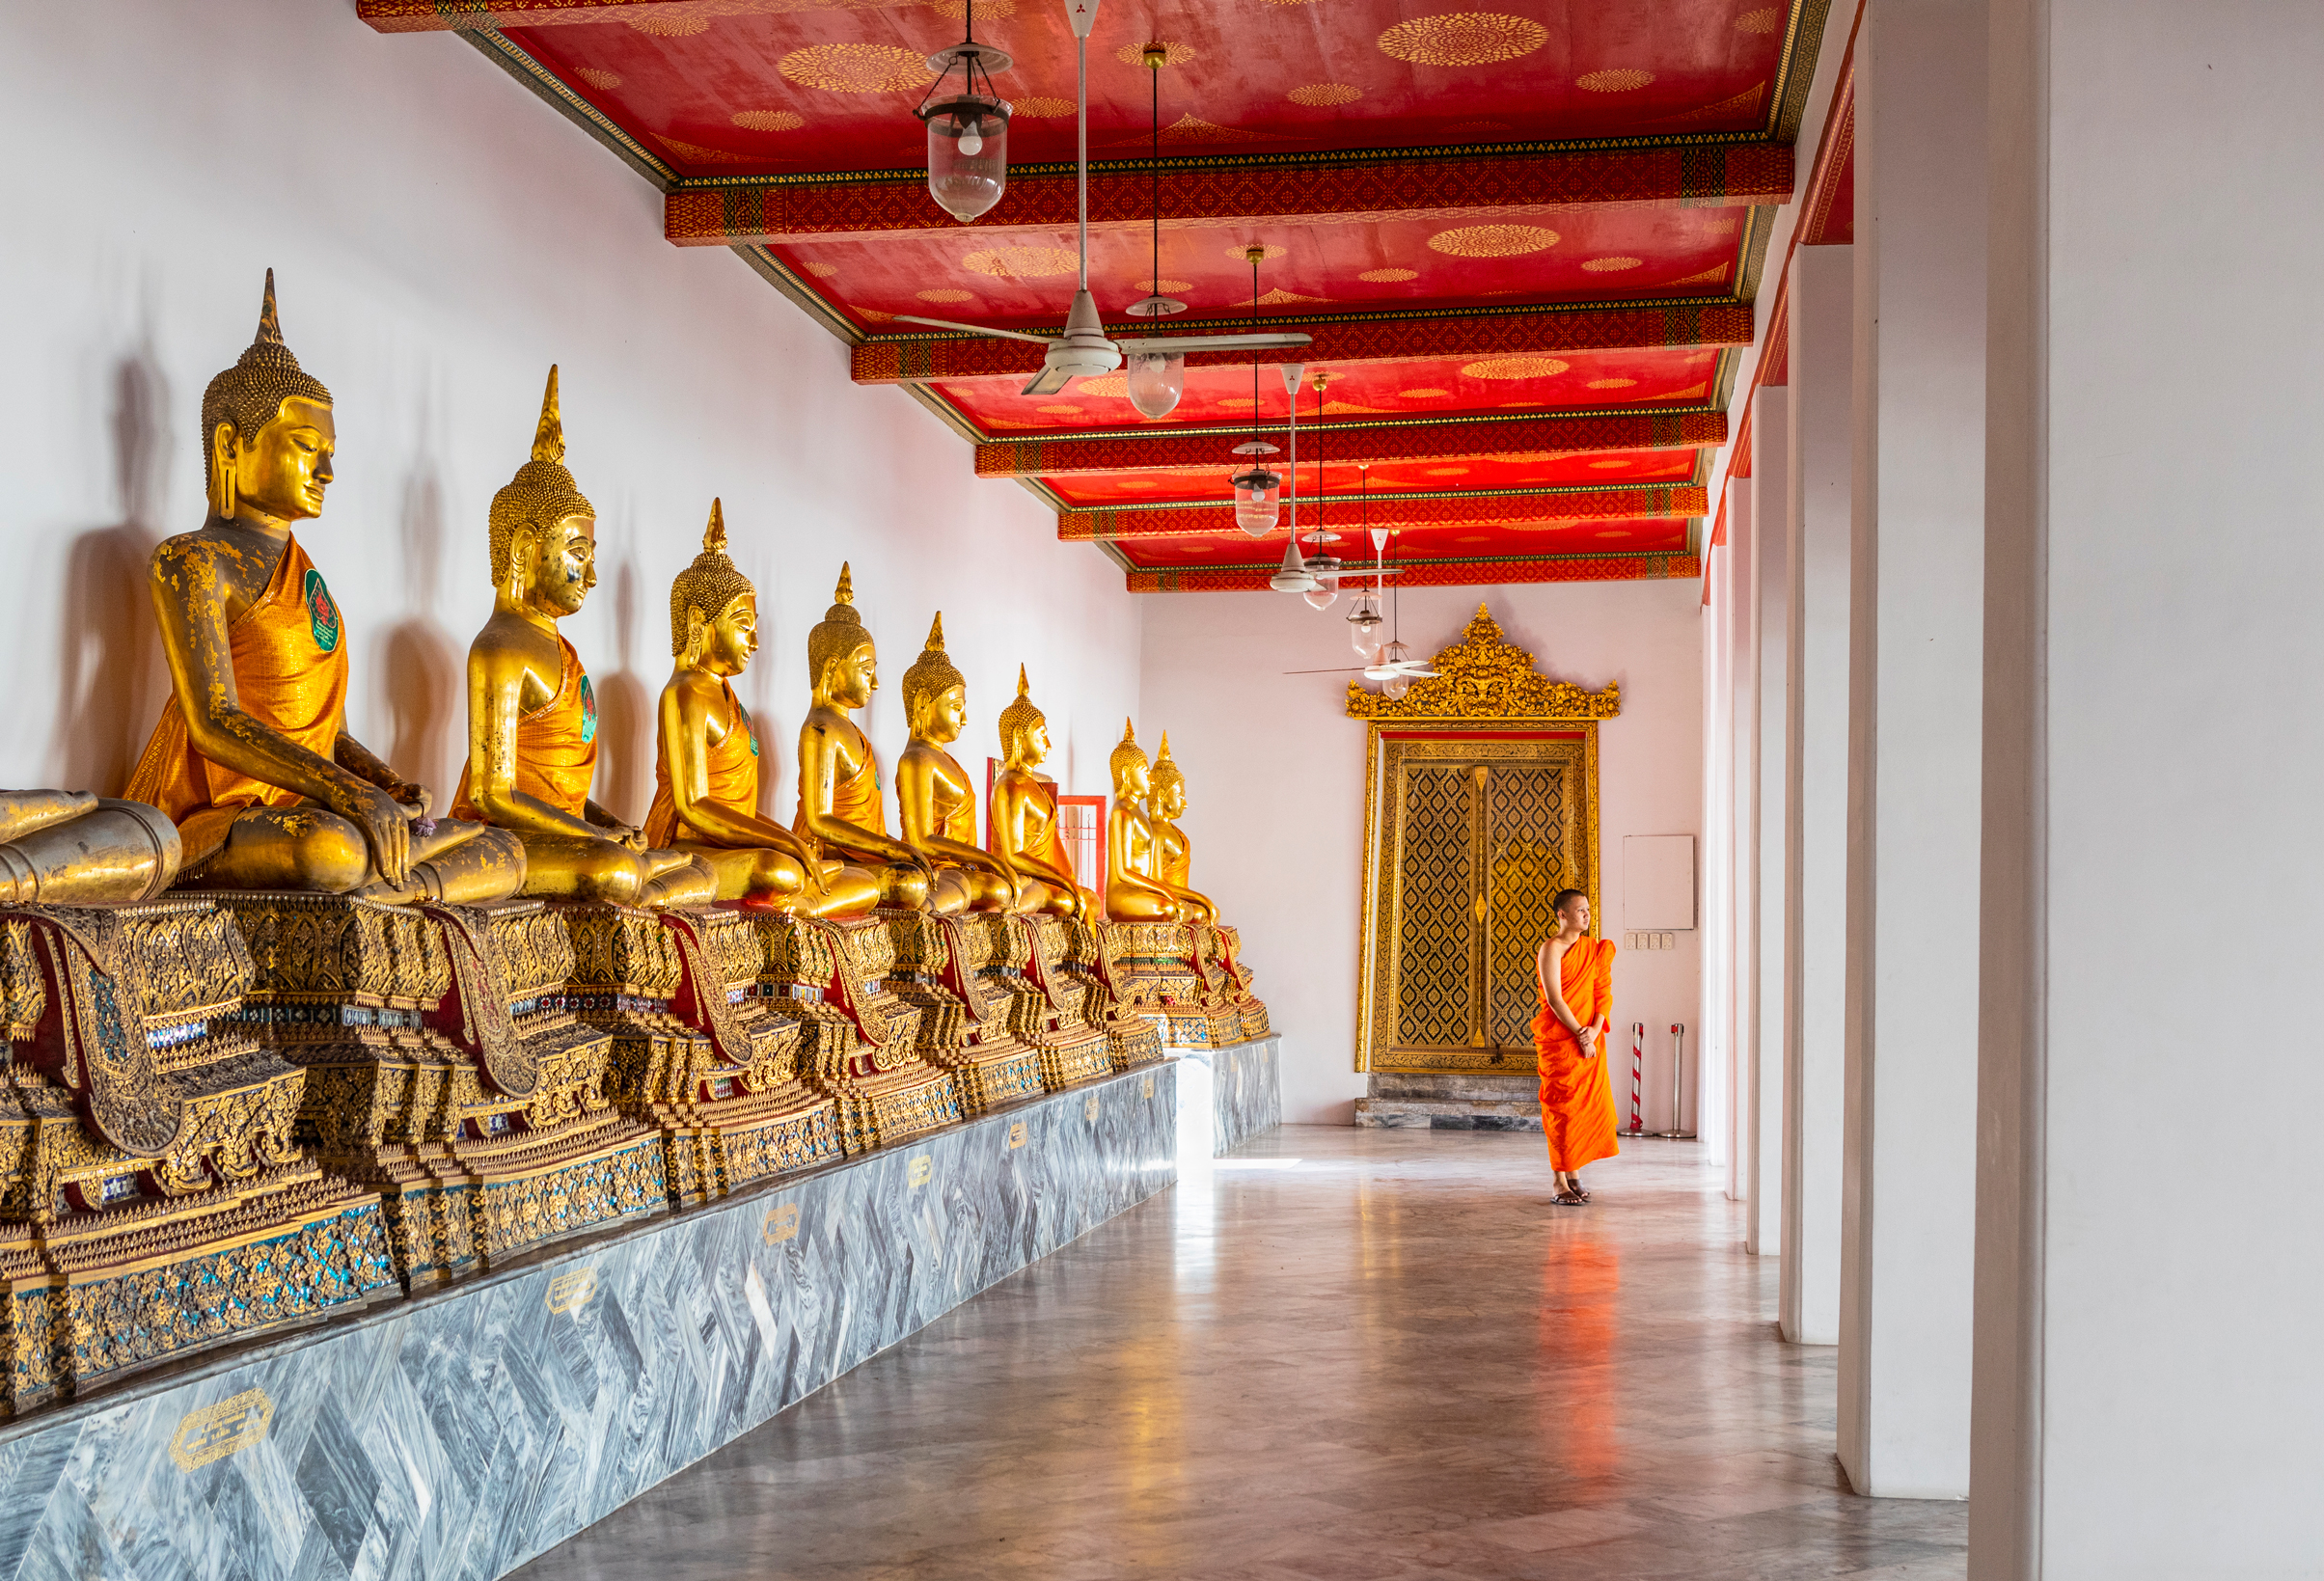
(1577, 974)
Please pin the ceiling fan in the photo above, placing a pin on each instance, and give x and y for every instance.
(1084, 350)
(1393, 666)
(1324, 573)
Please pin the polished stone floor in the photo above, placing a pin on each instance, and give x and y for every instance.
(1345, 1354)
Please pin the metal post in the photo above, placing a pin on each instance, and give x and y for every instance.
(1637, 1079)
(1678, 1086)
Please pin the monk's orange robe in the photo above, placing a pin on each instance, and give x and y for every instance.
(1578, 1098)
(555, 746)
(289, 657)
(855, 799)
(733, 765)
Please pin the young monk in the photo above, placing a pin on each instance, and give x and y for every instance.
(1577, 974)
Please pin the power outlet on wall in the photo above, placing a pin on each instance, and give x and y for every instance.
(1660, 940)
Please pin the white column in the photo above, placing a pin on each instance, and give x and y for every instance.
(1742, 705)
(1909, 1222)
(2149, 1392)
(1712, 1041)
(1771, 665)
(1816, 883)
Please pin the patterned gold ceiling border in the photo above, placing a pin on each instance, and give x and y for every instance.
(1486, 676)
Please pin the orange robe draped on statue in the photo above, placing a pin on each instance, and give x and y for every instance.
(855, 799)
(1578, 1099)
(555, 746)
(733, 765)
(290, 674)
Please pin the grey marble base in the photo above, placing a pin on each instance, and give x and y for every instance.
(1450, 1101)
(457, 1435)
(1245, 1082)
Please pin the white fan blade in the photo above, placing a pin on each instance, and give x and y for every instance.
(1349, 669)
(1355, 576)
(1175, 345)
(977, 329)
(1048, 382)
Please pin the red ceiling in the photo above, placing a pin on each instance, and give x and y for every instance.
(1644, 534)
(1431, 386)
(832, 89)
(1025, 280)
(1341, 483)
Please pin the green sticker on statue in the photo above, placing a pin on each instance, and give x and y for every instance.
(321, 614)
(588, 712)
(744, 715)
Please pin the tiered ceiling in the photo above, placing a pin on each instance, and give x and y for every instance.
(1523, 240)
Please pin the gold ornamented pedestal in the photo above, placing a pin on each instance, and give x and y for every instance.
(698, 1053)
(858, 1038)
(153, 1200)
(952, 969)
(445, 1071)
(1070, 954)
(1158, 971)
(1218, 949)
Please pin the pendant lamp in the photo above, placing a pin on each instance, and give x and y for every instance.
(969, 128)
(1258, 487)
(1157, 378)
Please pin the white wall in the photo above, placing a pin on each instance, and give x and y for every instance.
(439, 237)
(1276, 770)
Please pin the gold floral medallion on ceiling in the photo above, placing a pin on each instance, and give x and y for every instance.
(1486, 676)
(1463, 38)
(856, 69)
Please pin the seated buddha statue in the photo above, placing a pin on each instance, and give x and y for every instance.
(69, 848)
(1026, 828)
(1173, 857)
(706, 756)
(252, 759)
(1133, 890)
(839, 802)
(936, 800)
(531, 714)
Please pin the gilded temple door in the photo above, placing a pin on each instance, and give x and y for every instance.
(1473, 833)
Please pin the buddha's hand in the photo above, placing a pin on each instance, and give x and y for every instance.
(386, 824)
(623, 835)
(411, 795)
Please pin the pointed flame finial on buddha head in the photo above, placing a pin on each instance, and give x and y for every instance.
(931, 676)
(249, 394)
(542, 493)
(838, 634)
(1166, 773)
(1017, 724)
(1127, 758)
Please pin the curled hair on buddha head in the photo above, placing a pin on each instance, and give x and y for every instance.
(1018, 717)
(1557, 903)
(1125, 752)
(1166, 773)
(704, 589)
(839, 633)
(542, 493)
(932, 675)
(249, 394)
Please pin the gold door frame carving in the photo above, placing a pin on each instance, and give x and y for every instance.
(1485, 706)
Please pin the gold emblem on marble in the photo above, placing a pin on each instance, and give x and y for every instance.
(228, 1428)
(571, 1291)
(781, 1224)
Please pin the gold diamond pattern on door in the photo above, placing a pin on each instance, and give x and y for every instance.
(1436, 987)
(1524, 818)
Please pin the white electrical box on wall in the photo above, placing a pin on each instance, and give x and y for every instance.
(1658, 881)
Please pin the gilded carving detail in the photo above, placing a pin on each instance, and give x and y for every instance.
(1486, 676)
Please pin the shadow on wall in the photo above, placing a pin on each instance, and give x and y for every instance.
(110, 661)
(624, 714)
(422, 678)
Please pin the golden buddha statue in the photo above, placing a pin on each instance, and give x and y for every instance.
(252, 759)
(706, 759)
(69, 848)
(1173, 857)
(1134, 890)
(936, 800)
(1026, 828)
(531, 713)
(839, 802)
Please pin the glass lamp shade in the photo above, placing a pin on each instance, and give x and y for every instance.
(1364, 628)
(1394, 687)
(1157, 379)
(968, 153)
(1320, 596)
(1258, 499)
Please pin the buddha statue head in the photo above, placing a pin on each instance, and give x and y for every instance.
(1168, 782)
(936, 693)
(1023, 728)
(1132, 775)
(544, 534)
(841, 661)
(266, 427)
(713, 608)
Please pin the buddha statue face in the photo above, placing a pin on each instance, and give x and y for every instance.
(561, 563)
(728, 641)
(1170, 800)
(283, 469)
(943, 717)
(1133, 780)
(849, 681)
(1032, 744)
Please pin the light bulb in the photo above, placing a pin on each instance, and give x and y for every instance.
(1320, 596)
(1363, 629)
(968, 153)
(971, 142)
(1157, 379)
(1394, 687)
(1258, 499)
